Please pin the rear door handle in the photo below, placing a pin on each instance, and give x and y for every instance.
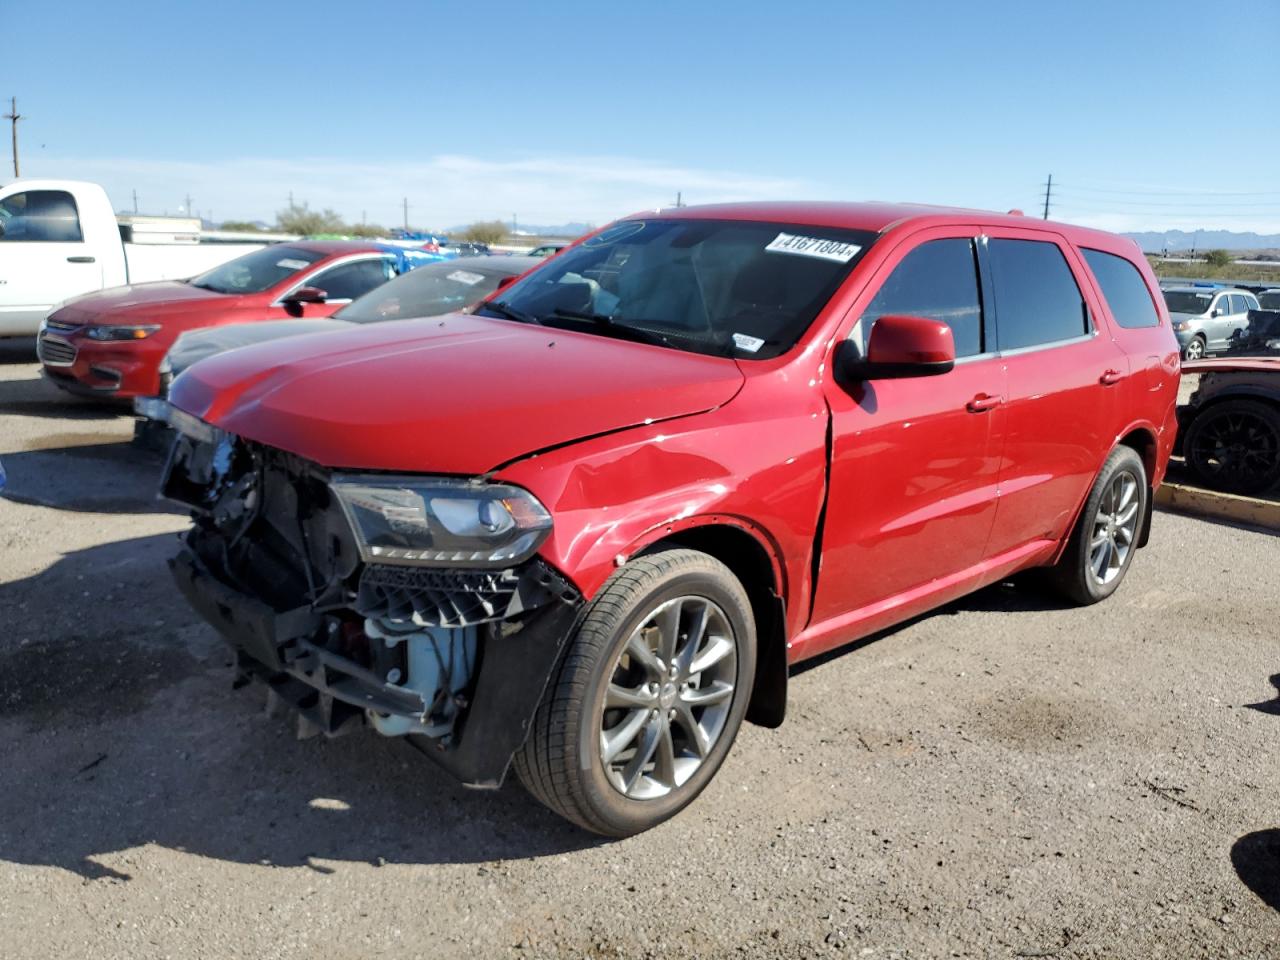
(80, 259)
(1110, 378)
(983, 402)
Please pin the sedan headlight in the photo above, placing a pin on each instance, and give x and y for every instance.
(136, 332)
(429, 521)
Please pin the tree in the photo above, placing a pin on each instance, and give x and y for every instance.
(1218, 258)
(368, 230)
(239, 226)
(487, 231)
(299, 218)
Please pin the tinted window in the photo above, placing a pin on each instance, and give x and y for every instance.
(257, 271)
(425, 292)
(350, 280)
(938, 280)
(1037, 300)
(40, 216)
(1269, 300)
(1182, 301)
(725, 287)
(1124, 290)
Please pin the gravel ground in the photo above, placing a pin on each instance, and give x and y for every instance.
(1005, 777)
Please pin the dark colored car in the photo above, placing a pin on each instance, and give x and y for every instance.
(109, 344)
(586, 529)
(1230, 428)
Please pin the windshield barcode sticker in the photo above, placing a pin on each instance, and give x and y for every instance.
(467, 277)
(289, 264)
(749, 344)
(836, 250)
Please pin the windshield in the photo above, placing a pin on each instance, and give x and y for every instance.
(1183, 301)
(257, 271)
(425, 292)
(1269, 300)
(731, 288)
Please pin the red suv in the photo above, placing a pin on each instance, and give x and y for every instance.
(110, 343)
(586, 529)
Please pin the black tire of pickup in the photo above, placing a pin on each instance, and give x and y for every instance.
(561, 762)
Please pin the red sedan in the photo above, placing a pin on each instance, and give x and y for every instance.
(110, 343)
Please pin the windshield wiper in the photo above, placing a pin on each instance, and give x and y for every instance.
(608, 323)
(511, 313)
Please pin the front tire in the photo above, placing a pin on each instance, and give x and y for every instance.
(1195, 349)
(1235, 446)
(1106, 535)
(649, 697)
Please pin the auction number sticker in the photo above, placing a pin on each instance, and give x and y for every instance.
(835, 250)
(467, 277)
(749, 344)
(289, 264)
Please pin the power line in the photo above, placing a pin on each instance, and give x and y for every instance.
(1085, 187)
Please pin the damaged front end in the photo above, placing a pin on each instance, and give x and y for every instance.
(414, 605)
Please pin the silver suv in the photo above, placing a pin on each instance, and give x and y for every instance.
(1204, 318)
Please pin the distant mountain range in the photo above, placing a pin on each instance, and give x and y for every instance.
(1153, 242)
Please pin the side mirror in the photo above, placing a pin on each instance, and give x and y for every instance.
(505, 282)
(307, 295)
(899, 347)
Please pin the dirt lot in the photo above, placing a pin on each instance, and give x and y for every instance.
(1003, 778)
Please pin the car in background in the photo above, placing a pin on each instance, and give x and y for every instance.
(585, 529)
(465, 248)
(1229, 431)
(1205, 317)
(110, 344)
(1269, 299)
(548, 249)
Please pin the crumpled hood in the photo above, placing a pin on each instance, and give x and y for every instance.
(136, 301)
(455, 394)
(207, 341)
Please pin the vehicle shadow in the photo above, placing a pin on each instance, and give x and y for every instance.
(36, 397)
(1269, 706)
(1256, 858)
(1025, 593)
(18, 350)
(94, 477)
(120, 729)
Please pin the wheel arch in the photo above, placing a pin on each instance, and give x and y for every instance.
(756, 566)
(1143, 441)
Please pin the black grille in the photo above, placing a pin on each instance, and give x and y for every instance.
(56, 353)
(437, 598)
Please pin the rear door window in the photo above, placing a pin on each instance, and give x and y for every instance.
(1124, 289)
(1037, 298)
(1239, 304)
(40, 216)
(938, 280)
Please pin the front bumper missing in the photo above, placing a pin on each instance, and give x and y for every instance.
(285, 649)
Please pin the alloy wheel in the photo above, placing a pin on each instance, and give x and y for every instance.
(669, 696)
(1115, 527)
(1236, 448)
(1195, 349)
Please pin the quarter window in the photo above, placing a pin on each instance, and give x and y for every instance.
(40, 216)
(1124, 290)
(938, 280)
(350, 280)
(1037, 299)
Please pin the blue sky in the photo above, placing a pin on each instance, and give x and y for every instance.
(1148, 115)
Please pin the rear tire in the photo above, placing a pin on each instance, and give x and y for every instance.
(1106, 535)
(1195, 349)
(1235, 446)
(649, 697)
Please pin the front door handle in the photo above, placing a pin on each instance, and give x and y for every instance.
(983, 402)
(1111, 377)
(80, 259)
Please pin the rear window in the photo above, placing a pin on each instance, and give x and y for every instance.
(1124, 289)
(257, 271)
(1037, 299)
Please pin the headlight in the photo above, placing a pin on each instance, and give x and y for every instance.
(440, 522)
(1181, 325)
(140, 332)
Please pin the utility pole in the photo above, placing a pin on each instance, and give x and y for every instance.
(1048, 192)
(13, 117)
(188, 199)
(515, 225)
(679, 199)
(405, 201)
(135, 203)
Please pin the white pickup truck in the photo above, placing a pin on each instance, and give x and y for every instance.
(61, 238)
